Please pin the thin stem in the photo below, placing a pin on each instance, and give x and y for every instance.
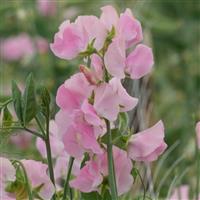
(66, 186)
(33, 132)
(111, 168)
(24, 128)
(49, 156)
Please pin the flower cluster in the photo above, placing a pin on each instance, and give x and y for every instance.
(94, 97)
(86, 135)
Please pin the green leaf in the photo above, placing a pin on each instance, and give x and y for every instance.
(7, 118)
(91, 196)
(17, 100)
(123, 122)
(45, 102)
(29, 100)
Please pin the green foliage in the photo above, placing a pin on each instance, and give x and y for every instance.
(17, 100)
(29, 100)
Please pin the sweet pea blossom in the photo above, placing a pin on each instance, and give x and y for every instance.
(139, 62)
(16, 47)
(47, 7)
(37, 175)
(73, 92)
(80, 137)
(73, 38)
(147, 145)
(93, 173)
(7, 174)
(111, 98)
(198, 133)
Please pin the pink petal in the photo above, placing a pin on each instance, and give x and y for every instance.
(141, 150)
(115, 58)
(139, 62)
(109, 17)
(130, 28)
(105, 102)
(126, 102)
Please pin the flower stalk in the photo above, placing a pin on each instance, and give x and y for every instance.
(111, 168)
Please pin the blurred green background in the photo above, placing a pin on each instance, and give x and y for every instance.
(171, 28)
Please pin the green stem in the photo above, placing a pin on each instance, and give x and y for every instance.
(111, 169)
(49, 156)
(66, 186)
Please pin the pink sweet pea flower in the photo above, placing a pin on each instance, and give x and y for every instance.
(109, 17)
(47, 7)
(17, 47)
(73, 92)
(37, 175)
(130, 28)
(57, 146)
(7, 174)
(181, 193)
(94, 29)
(198, 133)
(80, 136)
(111, 98)
(74, 38)
(115, 58)
(147, 145)
(91, 175)
(139, 62)
(89, 178)
(69, 41)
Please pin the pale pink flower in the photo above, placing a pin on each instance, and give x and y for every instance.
(115, 58)
(109, 17)
(7, 174)
(73, 92)
(94, 29)
(57, 146)
(147, 145)
(91, 175)
(16, 47)
(80, 136)
(74, 38)
(37, 175)
(198, 133)
(130, 28)
(181, 193)
(111, 98)
(47, 7)
(139, 62)
(89, 178)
